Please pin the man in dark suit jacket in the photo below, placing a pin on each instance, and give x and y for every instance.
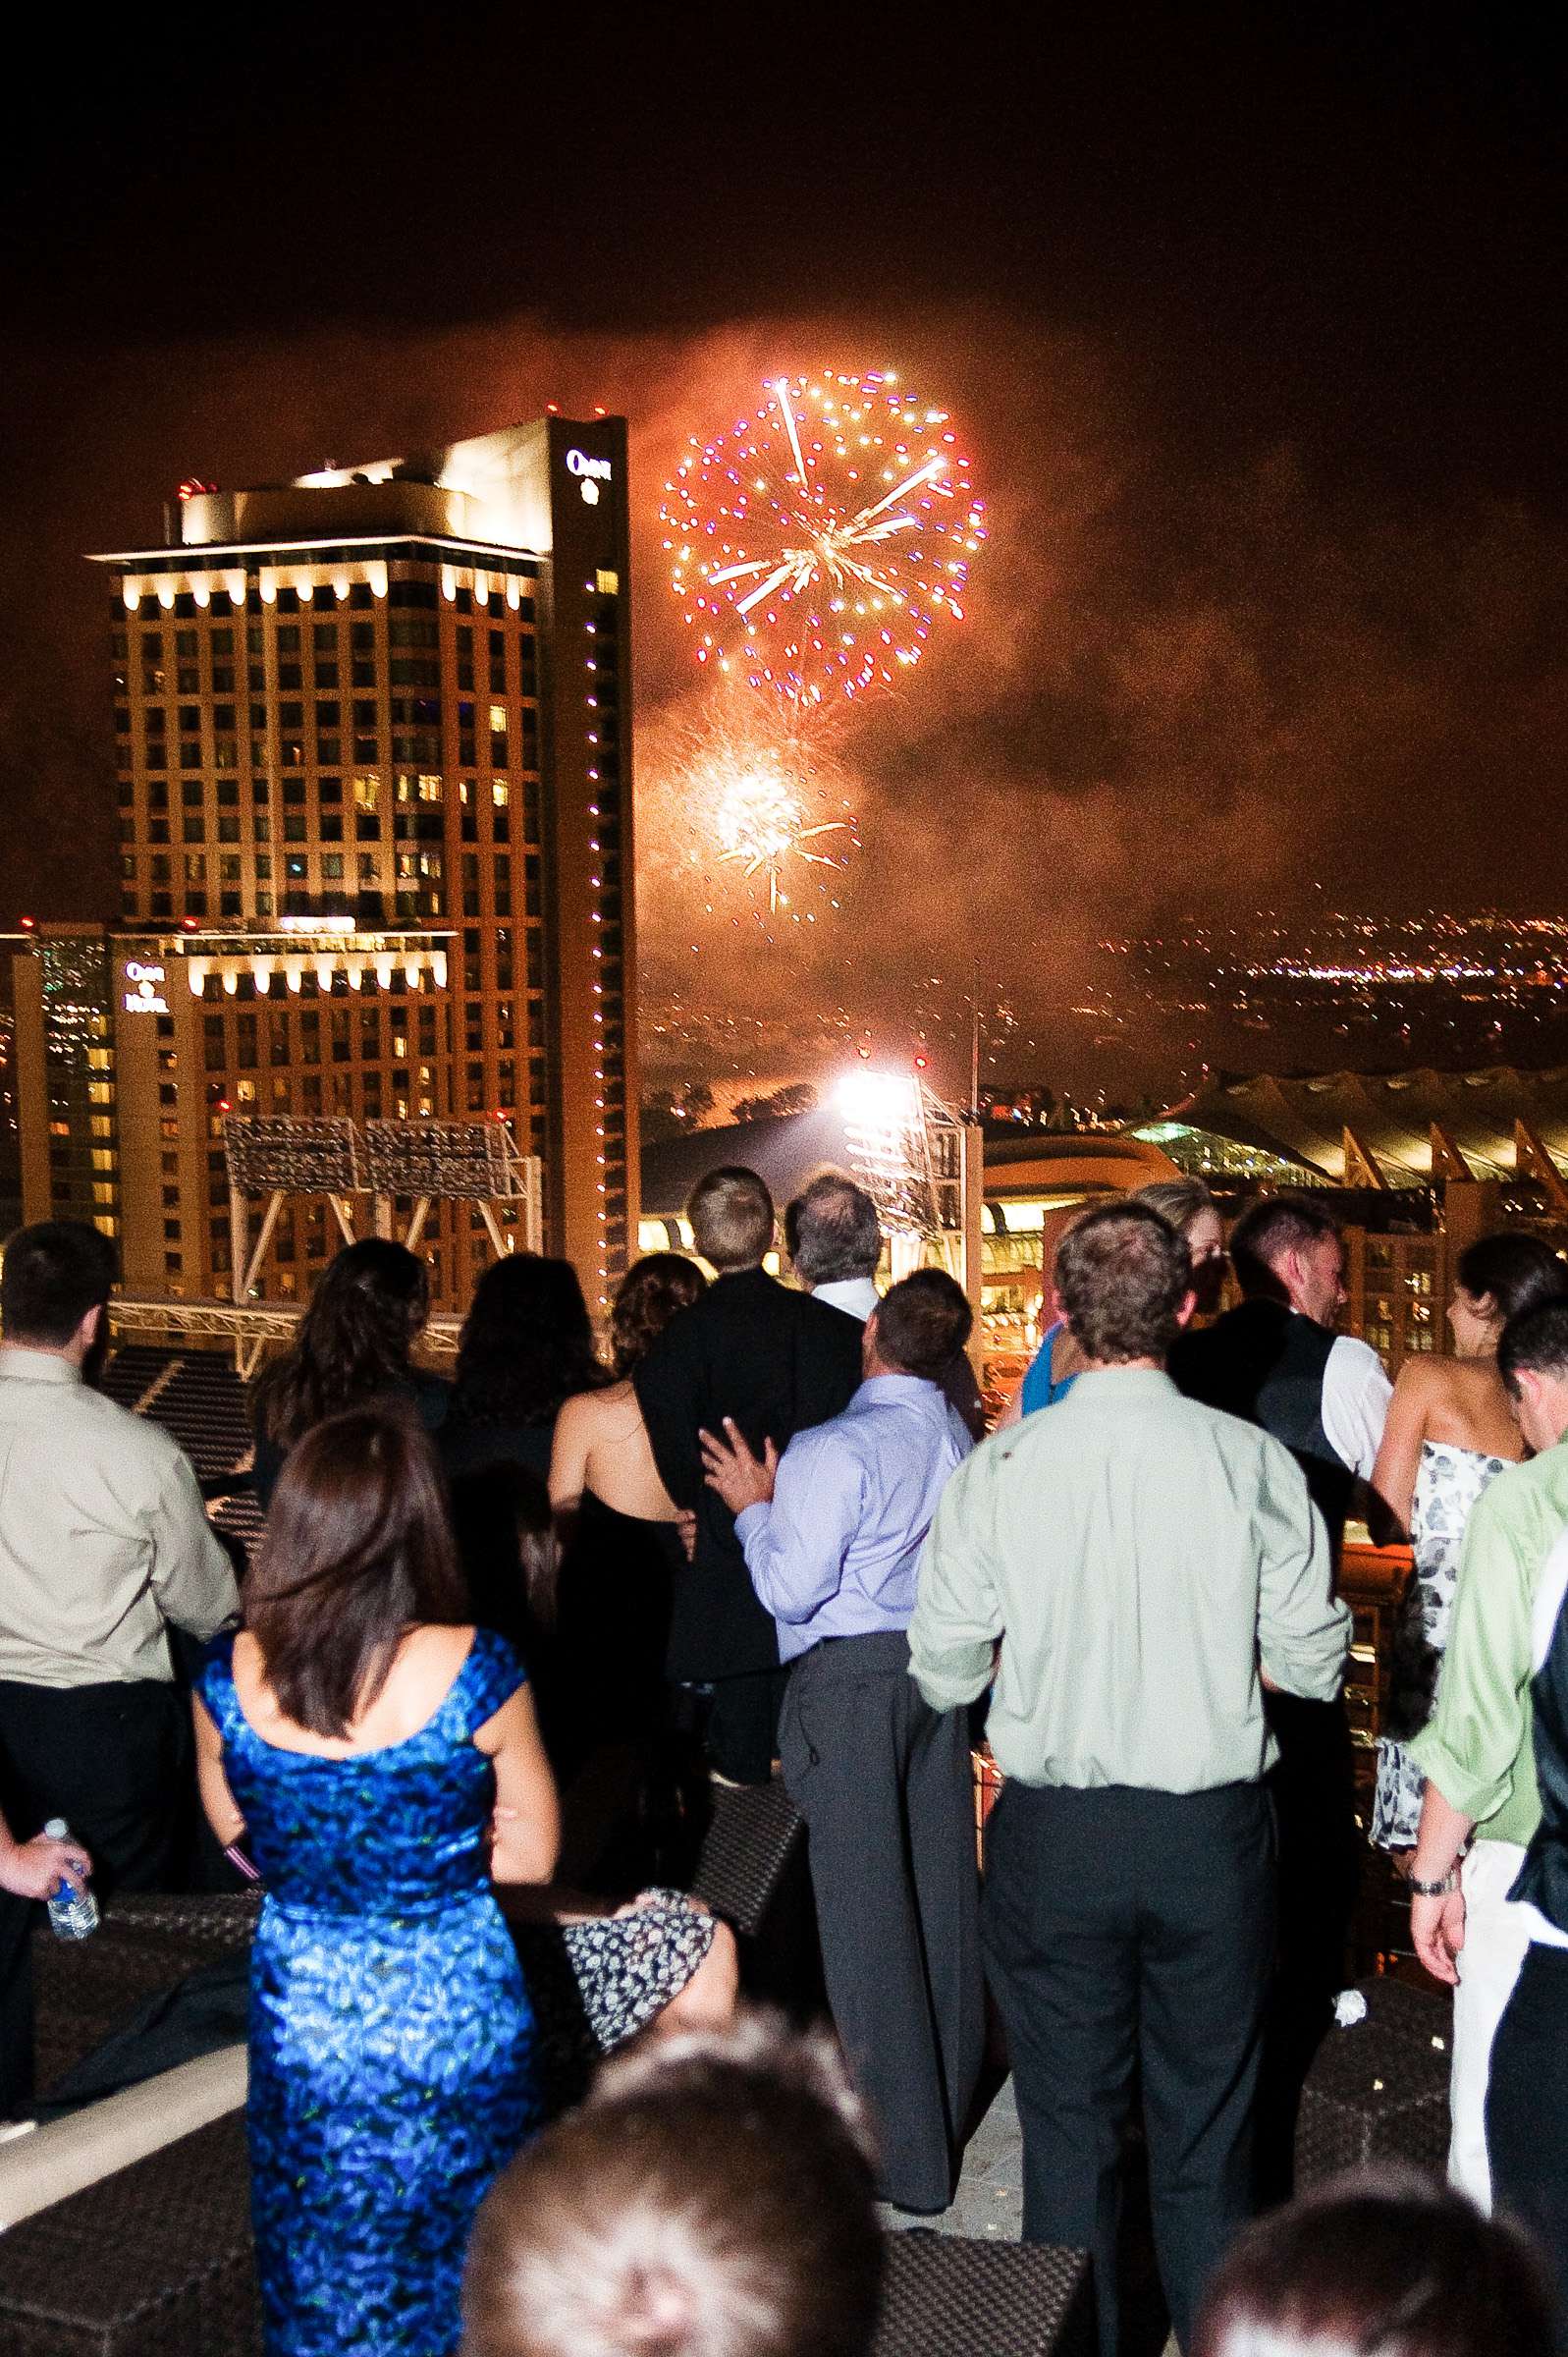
(773, 1362)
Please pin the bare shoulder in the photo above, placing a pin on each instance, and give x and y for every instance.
(1419, 1380)
(433, 1651)
(1467, 1407)
(599, 1415)
(1476, 1378)
(1474, 1388)
(1463, 1386)
(576, 1414)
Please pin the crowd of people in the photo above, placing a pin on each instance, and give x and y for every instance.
(504, 1635)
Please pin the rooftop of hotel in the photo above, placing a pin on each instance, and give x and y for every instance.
(490, 492)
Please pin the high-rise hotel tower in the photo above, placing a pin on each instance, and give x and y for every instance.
(374, 737)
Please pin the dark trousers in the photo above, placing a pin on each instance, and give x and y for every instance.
(1313, 1790)
(884, 1783)
(1527, 2112)
(743, 1732)
(114, 1762)
(1124, 1926)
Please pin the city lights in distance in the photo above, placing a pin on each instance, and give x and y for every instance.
(814, 545)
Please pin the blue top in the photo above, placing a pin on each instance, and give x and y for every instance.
(393, 2058)
(836, 1553)
(399, 1830)
(1039, 1387)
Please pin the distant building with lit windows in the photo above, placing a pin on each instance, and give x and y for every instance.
(374, 783)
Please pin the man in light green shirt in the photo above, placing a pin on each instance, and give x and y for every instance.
(1147, 1562)
(1477, 1750)
(1131, 1567)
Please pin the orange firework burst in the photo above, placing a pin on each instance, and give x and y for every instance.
(813, 544)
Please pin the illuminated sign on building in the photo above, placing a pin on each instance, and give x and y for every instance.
(590, 474)
(146, 996)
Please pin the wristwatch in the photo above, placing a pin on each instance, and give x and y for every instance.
(1437, 1890)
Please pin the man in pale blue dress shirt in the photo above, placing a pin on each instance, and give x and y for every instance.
(833, 1532)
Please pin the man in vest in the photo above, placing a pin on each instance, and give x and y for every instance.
(1277, 1360)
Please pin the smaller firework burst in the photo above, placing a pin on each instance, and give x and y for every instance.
(760, 821)
(751, 814)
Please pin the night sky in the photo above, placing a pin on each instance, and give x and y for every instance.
(1252, 319)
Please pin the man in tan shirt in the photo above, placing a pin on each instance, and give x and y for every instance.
(104, 1543)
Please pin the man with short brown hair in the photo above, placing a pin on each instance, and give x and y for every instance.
(713, 2193)
(1130, 1569)
(730, 1212)
(775, 1361)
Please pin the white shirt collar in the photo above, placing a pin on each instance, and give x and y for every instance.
(857, 1295)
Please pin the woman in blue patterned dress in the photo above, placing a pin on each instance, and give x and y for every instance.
(360, 1734)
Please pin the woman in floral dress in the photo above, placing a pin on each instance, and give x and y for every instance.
(1450, 1431)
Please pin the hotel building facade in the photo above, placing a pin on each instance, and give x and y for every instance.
(373, 736)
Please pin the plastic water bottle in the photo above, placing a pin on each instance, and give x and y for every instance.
(73, 1913)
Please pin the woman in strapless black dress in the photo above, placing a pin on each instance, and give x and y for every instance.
(584, 1598)
(621, 1532)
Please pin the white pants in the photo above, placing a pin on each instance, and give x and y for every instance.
(1497, 1936)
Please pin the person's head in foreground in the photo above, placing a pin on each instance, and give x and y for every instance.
(1533, 1361)
(1384, 2265)
(714, 2197)
(1123, 1276)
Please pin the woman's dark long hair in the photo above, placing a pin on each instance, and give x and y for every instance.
(506, 1544)
(651, 1291)
(1518, 1271)
(526, 1344)
(358, 1551)
(365, 1317)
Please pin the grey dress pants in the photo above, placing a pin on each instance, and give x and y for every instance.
(885, 1786)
